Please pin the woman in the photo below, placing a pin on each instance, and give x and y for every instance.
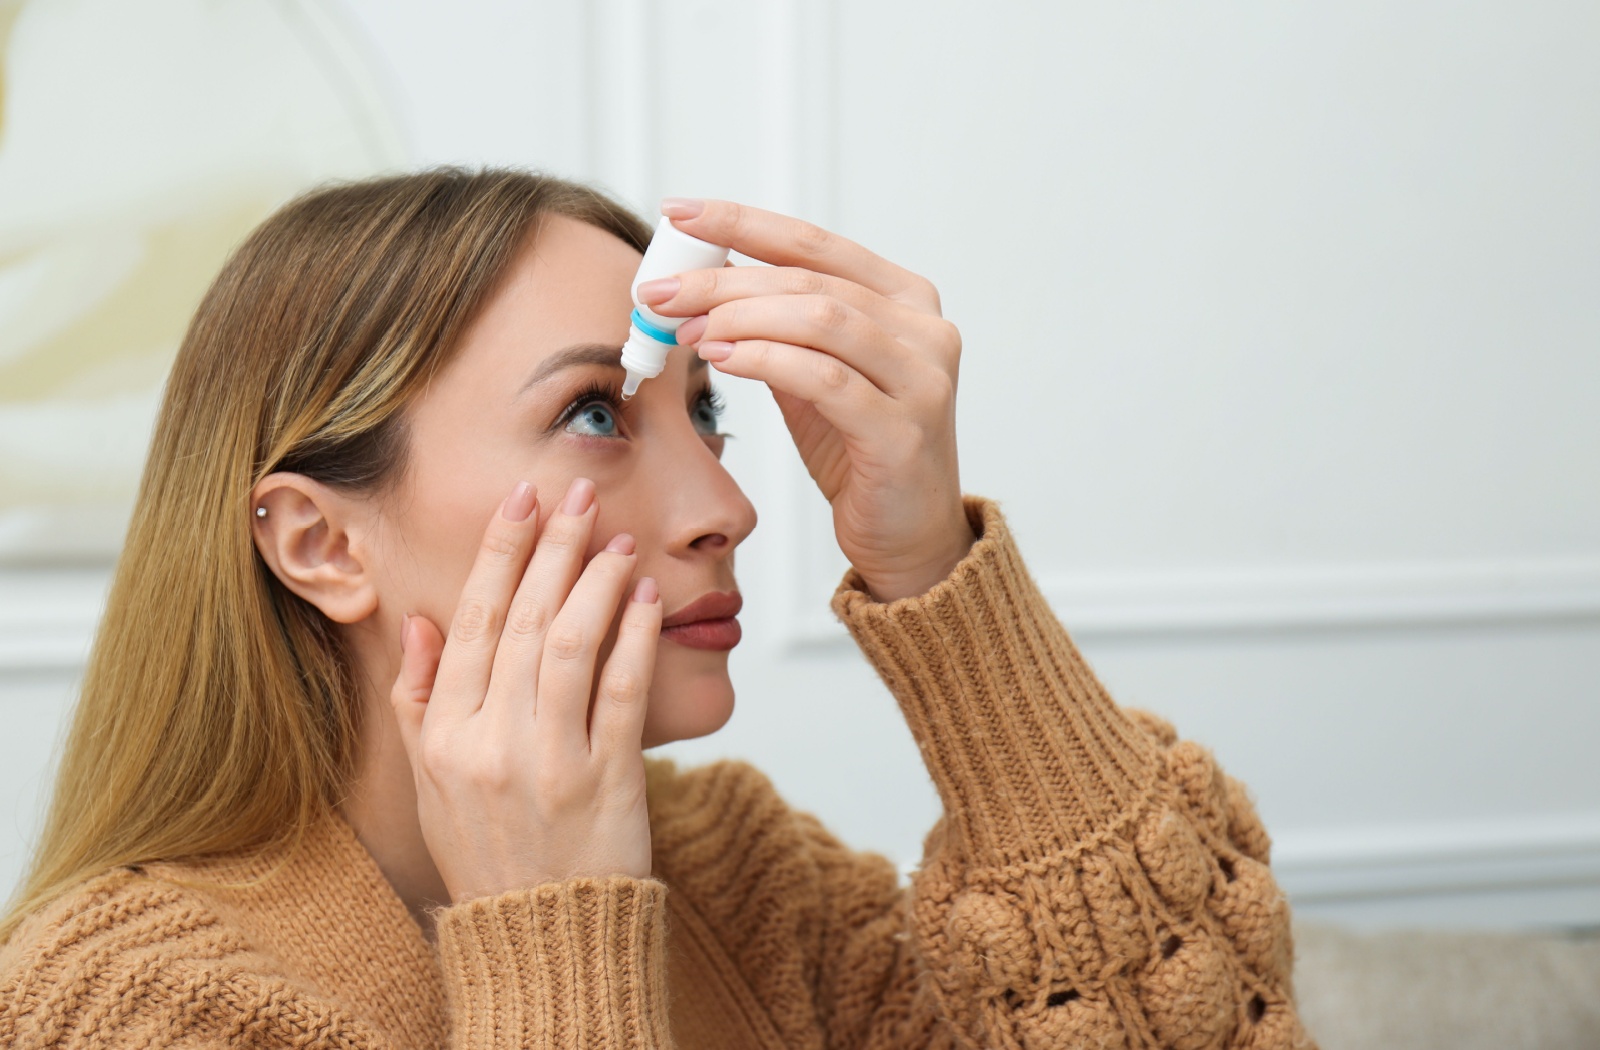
(407, 592)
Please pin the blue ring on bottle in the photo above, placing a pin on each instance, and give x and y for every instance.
(660, 335)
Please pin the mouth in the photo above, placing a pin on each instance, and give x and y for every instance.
(708, 622)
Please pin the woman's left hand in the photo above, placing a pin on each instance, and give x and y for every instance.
(863, 367)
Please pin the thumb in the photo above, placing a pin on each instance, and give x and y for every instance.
(421, 645)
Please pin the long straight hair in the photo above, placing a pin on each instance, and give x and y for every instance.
(218, 711)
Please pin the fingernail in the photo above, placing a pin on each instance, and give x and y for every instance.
(659, 290)
(646, 591)
(579, 495)
(519, 504)
(715, 350)
(692, 329)
(405, 624)
(681, 207)
(621, 543)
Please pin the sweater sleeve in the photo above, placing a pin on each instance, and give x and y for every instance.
(1093, 881)
(575, 963)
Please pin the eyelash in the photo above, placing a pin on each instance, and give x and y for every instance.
(611, 396)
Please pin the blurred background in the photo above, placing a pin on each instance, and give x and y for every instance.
(1282, 355)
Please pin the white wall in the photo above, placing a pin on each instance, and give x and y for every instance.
(1281, 354)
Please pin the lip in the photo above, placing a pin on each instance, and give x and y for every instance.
(707, 622)
(713, 605)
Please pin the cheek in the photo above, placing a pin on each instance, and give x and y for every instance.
(622, 501)
(427, 556)
(428, 559)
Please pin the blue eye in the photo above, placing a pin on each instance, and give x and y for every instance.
(597, 418)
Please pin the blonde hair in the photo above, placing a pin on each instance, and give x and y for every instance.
(218, 711)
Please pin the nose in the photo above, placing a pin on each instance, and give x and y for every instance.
(703, 510)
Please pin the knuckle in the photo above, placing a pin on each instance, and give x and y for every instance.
(826, 312)
(435, 755)
(811, 238)
(493, 769)
(737, 219)
(726, 317)
(556, 785)
(501, 543)
(561, 538)
(832, 375)
(528, 619)
(940, 389)
(402, 698)
(475, 620)
(566, 641)
(926, 289)
(798, 280)
(399, 693)
(623, 685)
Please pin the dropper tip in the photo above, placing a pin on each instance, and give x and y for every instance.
(630, 385)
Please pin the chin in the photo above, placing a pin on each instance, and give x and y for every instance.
(688, 698)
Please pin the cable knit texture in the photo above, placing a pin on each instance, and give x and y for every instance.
(1094, 882)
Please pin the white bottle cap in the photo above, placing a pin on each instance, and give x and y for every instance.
(643, 357)
(651, 335)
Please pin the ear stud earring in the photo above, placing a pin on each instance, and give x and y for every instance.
(261, 512)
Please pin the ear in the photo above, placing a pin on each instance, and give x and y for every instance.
(313, 538)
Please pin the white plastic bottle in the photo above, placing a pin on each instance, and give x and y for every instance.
(650, 335)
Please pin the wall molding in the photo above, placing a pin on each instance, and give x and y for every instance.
(621, 68)
(1306, 598)
(48, 617)
(1508, 874)
(802, 143)
(1432, 858)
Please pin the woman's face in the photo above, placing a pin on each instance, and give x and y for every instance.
(517, 403)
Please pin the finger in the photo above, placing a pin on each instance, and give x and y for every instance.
(842, 396)
(699, 291)
(469, 650)
(786, 241)
(557, 560)
(572, 649)
(617, 724)
(822, 323)
(420, 646)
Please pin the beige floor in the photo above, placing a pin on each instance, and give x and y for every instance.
(1448, 991)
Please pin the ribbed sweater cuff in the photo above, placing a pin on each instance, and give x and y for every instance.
(1028, 752)
(580, 963)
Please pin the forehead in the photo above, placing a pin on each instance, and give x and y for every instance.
(568, 283)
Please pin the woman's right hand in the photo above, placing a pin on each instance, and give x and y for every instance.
(516, 784)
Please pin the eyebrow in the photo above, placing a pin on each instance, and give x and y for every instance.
(606, 355)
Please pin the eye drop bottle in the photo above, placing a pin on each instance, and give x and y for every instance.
(651, 335)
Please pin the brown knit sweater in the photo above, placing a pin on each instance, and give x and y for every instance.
(1093, 883)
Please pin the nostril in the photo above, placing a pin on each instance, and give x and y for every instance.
(710, 541)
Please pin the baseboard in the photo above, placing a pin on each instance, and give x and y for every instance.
(1507, 873)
